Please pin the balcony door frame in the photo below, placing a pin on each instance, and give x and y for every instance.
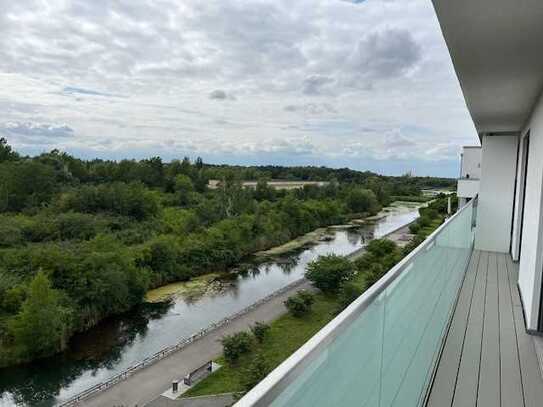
(519, 203)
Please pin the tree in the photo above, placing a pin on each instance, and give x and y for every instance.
(236, 345)
(329, 272)
(260, 330)
(263, 191)
(184, 188)
(362, 200)
(6, 152)
(41, 325)
(257, 370)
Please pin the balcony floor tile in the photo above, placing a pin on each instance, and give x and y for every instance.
(488, 358)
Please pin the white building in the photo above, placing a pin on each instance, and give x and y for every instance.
(470, 174)
(456, 322)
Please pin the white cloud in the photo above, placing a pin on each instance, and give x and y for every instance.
(375, 74)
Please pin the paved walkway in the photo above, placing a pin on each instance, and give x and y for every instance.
(149, 383)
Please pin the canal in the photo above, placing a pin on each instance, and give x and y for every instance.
(118, 343)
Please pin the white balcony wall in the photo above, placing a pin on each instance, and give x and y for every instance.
(471, 162)
(531, 265)
(467, 188)
(496, 192)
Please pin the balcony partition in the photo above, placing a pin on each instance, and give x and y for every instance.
(382, 350)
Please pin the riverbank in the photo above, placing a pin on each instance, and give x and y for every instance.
(265, 312)
(147, 384)
(214, 282)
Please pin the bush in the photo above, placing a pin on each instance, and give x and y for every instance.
(307, 297)
(236, 345)
(257, 370)
(373, 274)
(260, 330)
(349, 292)
(329, 272)
(414, 228)
(300, 304)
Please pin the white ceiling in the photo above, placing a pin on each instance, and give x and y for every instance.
(497, 50)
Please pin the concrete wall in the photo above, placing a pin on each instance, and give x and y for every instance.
(496, 191)
(467, 188)
(531, 266)
(471, 162)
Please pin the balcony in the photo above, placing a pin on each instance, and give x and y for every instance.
(442, 328)
(467, 187)
(488, 358)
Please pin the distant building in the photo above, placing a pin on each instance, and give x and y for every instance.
(276, 184)
(470, 173)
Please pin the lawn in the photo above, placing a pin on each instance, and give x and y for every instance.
(286, 335)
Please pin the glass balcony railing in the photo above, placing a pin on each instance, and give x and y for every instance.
(382, 350)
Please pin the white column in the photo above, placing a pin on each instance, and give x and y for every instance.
(496, 190)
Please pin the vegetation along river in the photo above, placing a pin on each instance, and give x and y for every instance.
(118, 343)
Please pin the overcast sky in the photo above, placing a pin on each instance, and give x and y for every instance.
(364, 84)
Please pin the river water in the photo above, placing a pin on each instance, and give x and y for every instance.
(118, 343)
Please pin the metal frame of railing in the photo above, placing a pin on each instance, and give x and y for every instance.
(268, 389)
(97, 388)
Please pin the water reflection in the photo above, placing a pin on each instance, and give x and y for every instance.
(120, 342)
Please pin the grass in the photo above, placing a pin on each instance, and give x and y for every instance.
(286, 335)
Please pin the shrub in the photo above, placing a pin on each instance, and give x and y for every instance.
(414, 228)
(307, 297)
(260, 330)
(257, 370)
(349, 292)
(374, 273)
(424, 221)
(329, 272)
(236, 345)
(300, 304)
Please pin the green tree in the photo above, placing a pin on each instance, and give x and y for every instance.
(329, 272)
(40, 328)
(257, 370)
(6, 152)
(362, 200)
(184, 189)
(236, 345)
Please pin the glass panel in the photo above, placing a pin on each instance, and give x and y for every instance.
(386, 355)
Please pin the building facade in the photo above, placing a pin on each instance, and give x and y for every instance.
(470, 174)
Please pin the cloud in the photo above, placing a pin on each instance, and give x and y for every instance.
(74, 90)
(311, 108)
(303, 75)
(36, 133)
(219, 94)
(315, 84)
(386, 54)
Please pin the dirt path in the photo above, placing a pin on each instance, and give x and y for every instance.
(152, 381)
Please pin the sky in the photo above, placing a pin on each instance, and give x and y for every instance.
(365, 84)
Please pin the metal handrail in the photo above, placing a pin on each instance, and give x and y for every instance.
(264, 393)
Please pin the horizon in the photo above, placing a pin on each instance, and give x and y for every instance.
(367, 85)
(244, 165)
